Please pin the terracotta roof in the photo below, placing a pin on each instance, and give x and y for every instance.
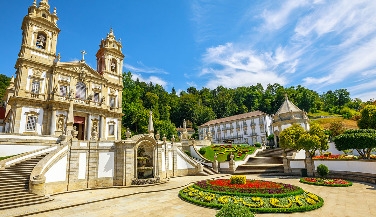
(287, 106)
(234, 118)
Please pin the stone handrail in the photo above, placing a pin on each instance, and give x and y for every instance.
(47, 162)
(199, 154)
(187, 158)
(24, 156)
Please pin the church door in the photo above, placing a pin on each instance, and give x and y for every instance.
(79, 123)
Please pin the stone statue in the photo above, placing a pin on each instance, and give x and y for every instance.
(60, 124)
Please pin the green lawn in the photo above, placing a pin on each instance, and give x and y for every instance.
(239, 152)
(3, 158)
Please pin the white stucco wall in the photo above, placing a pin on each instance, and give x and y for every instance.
(163, 157)
(58, 171)
(8, 150)
(351, 166)
(106, 164)
(82, 161)
(181, 164)
(170, 161)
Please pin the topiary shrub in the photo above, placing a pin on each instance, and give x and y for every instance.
(239, 179)
(234, 210)
(258, 145)
(202, 151)
(322, 170)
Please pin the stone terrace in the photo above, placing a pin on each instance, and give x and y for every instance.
(162, 200)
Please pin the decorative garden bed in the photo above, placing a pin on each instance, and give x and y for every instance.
(223, 152)
(326, 182)
(257, 195)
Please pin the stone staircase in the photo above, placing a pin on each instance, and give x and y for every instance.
(14, 185)
(269, 161)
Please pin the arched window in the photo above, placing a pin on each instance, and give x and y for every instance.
(113, 65)
(81, 91)
(41, 40)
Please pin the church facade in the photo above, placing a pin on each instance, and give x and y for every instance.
(50, 97)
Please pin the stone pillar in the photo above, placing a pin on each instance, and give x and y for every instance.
(17, 120)
(88, 127)
(175, 160)
(125, 163)
(53, 122)
(70, 120)
(103, 128)
(92, 166)
(309, 165)
(118, 137)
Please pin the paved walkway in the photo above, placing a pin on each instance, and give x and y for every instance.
(162, 200)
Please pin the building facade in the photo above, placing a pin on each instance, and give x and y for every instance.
(287, 115)
(251, 128)
(50, 97)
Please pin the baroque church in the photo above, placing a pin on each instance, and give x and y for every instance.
(50, 97)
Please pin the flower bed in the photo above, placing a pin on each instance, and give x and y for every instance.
(326, 182)
(340, 157)
(257, 195)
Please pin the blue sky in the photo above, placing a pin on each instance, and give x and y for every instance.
(322, 45)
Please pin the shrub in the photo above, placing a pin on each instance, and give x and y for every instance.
(322, 170)
(258, 145)
(202, 151)
(239, 179)
(234, 210)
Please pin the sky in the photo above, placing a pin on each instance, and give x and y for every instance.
(321, 45)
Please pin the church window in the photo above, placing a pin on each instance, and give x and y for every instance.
(41, 40)
(63, 90)
(35, 87)
(81, 91)
(96, 97)
(44, 15)
(31, 123)
(111, 129)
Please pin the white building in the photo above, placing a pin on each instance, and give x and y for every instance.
(248, 128)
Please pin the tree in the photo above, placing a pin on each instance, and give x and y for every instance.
(362, 140)
(336, 128)
(4, 83)
(289, 137)
(297, 138)
(367, 117)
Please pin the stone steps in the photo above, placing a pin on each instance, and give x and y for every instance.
(14, 185)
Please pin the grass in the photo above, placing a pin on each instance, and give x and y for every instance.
(325, 122)
(3, 158)
(222, 153)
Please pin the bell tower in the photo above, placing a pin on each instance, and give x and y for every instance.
(38, 47)
(110, 58)
(39, 33)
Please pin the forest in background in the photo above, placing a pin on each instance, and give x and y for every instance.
(199, 106)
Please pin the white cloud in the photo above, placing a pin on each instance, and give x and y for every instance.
(153, 79)
(357, 61)
(275, 19)
(140, 67)
(230, 66)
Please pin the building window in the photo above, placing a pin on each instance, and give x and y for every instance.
(81, 91)
(112, 101)
(111, 129)
(96, 97)
(41, 40)
(35, 87)
(31, 123)
(63, 90)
